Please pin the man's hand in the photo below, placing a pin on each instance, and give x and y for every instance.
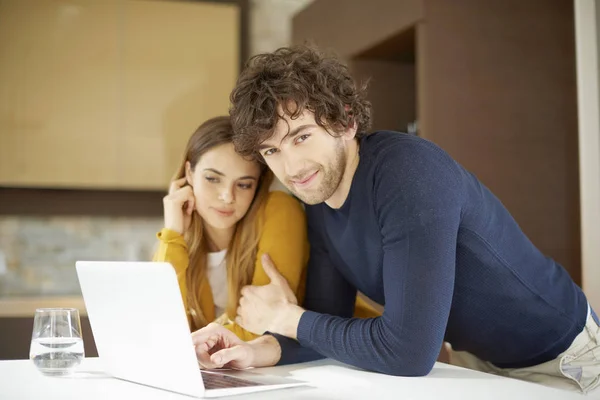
(271, 307)
(218, 347)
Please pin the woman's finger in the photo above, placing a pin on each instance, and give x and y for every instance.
(176, 184)
(204, 359)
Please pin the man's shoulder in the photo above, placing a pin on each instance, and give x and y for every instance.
(387, 136)
(390, 144)
(407, 164)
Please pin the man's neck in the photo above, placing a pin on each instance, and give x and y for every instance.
(341, 194)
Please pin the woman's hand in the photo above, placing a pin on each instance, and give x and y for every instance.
(217, 347)
(178, 206)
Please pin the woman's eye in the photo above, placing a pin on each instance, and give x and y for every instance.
(212, 179)
(245, 186)
(269, 152)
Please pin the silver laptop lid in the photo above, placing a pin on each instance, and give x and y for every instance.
(139, 324)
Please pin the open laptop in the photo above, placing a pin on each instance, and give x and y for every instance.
(142, 333)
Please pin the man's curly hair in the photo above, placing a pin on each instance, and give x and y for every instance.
(295, 78)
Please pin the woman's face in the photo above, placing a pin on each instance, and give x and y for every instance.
(224, 185)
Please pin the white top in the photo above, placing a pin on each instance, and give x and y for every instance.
(328, 380)
(217, 278)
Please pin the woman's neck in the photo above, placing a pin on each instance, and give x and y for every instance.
(218, 239)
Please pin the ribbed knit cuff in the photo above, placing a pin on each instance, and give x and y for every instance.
(169, 236)
(305, 326)
(293, 351)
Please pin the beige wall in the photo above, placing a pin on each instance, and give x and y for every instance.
(271, 23)
(587, 28)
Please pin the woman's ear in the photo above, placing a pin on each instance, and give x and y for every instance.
(188, 173)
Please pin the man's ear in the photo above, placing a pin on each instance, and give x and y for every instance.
(350, 132)
(188, 173)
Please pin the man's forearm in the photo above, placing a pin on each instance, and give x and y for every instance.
(266, 351)
(288, 319)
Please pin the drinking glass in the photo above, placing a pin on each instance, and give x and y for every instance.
(56, 341)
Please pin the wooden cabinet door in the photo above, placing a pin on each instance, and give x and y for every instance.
(59, 93)
(174, 77)
(104, 94)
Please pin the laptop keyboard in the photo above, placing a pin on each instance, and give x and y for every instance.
(219, 381)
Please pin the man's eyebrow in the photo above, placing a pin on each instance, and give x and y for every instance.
(289, 136)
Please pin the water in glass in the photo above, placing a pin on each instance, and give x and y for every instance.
(56, 342)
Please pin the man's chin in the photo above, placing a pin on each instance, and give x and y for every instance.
(309, 198)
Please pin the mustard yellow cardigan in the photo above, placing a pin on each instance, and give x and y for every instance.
(283, 237)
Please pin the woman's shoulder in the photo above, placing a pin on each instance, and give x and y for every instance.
(283, 226)
(282, 206)
(278, 202)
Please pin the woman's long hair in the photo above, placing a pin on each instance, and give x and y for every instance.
(241, 252)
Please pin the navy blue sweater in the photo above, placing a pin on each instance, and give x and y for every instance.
(423, 237)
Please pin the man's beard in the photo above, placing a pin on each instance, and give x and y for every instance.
(331, 176)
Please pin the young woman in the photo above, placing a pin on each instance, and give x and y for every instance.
(220, 218)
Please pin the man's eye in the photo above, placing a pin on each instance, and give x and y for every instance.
(302, 138)
(269, 152)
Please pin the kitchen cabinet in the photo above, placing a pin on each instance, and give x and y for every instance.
(104, 94)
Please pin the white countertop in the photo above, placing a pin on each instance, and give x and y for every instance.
(328, 379)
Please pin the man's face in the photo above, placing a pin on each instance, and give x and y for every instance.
(306, 158)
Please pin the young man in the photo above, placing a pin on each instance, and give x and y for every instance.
(395, 217)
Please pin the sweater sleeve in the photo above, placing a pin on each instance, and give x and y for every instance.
(284, 238)
(172, 248)
(417, 200)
